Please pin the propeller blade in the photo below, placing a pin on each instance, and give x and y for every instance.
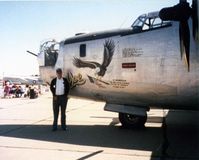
(181, 13)
(195, 19)
(182, 50)
(185, 34)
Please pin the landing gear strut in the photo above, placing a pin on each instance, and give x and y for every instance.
(132, 121)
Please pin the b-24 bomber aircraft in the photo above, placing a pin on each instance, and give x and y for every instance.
(155, 62)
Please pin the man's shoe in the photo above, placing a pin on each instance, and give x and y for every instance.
(64, 128)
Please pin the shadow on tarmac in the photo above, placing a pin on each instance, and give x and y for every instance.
(97, 135)
(179, 140)
(180, 135)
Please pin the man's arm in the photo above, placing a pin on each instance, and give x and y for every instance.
(67, 87)
(52, 87)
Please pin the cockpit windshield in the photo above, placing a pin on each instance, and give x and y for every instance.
(149, 21)
(140, 21)
(49, 49)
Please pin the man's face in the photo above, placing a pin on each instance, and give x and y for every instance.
(59, 75)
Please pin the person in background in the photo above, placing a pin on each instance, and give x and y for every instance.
(7, 89)
(26, 91)
(19, 91)
(60, 88)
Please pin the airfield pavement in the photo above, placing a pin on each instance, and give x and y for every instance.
(93, 134)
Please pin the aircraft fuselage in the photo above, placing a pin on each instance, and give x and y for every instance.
(146, 68)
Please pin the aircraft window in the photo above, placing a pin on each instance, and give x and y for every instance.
(157, 23)
(139, 22)
(50, 57)
(50, 50)
(82, 50)
(146, 25)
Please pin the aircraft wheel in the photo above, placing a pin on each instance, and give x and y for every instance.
(132, 121)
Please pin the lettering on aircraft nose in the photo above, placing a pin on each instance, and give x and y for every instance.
(132, 52)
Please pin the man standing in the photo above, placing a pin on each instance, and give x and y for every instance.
(59, 87)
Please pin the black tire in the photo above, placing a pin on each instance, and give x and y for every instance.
(132, 121)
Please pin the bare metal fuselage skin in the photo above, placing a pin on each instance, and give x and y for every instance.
(146, 70)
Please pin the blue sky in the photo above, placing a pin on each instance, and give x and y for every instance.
(23, 25)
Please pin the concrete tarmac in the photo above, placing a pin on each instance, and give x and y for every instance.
(93, 134)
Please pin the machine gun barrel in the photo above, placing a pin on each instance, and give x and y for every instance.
(32, 53)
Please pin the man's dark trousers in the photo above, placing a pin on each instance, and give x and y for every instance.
(60, 101)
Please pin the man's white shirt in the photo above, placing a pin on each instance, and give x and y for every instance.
(59, 87)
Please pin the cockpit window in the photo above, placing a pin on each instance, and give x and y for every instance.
(50, 50)
(140, 21)
(148, 22)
